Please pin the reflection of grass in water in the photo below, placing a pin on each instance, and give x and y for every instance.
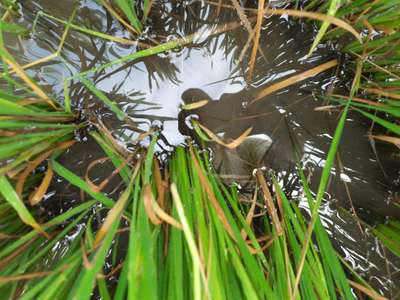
(185, 234)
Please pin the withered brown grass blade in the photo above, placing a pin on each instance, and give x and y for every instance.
(294, 79)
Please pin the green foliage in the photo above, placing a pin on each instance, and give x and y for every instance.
(186, 235)
(389, 234)
(12, 28)
(128, 7)
(216, 253)
(379, 55)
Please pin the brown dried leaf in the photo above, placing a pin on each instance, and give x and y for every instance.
(160, 185)
(94, 187)
(250, 214)
(232, 145)
(383, 93)
(36, 162)
(21, 73)
(257, 30)
(194, 105)
(365, 101)
(269, 202)
(38, 195)
(24, 276)
(370, 293)
(148, 199)
(294, 79)
(303, 14)
(386, 138)
(164, 216)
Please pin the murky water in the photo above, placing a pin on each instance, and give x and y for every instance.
(151, 91)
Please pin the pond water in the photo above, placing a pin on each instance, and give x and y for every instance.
(151, 91)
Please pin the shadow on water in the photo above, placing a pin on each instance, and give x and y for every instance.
(151, 91)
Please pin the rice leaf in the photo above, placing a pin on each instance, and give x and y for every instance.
(12, 28)
(15, 201)
(80, 183)
(333, 7)
(128, 7)
(387, 124)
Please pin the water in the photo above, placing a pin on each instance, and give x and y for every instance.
(151, 91)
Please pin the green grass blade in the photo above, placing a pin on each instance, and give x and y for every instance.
(11, 196)
(78, 182)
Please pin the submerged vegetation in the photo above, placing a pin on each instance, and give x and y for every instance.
(173, 229)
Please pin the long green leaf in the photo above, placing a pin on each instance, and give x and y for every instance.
(11, 196)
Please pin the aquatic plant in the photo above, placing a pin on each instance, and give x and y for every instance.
(176, 231)
(129, 11)
(375, 61)
(186, 236)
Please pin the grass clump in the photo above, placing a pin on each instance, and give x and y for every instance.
(186, 236)
(375, 61)
(32, 128)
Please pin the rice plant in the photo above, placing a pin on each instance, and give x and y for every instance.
(186, 236)
(176, 231)
(376, 61)
(128, 12)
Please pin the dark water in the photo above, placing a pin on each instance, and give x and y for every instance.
(151, 90)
